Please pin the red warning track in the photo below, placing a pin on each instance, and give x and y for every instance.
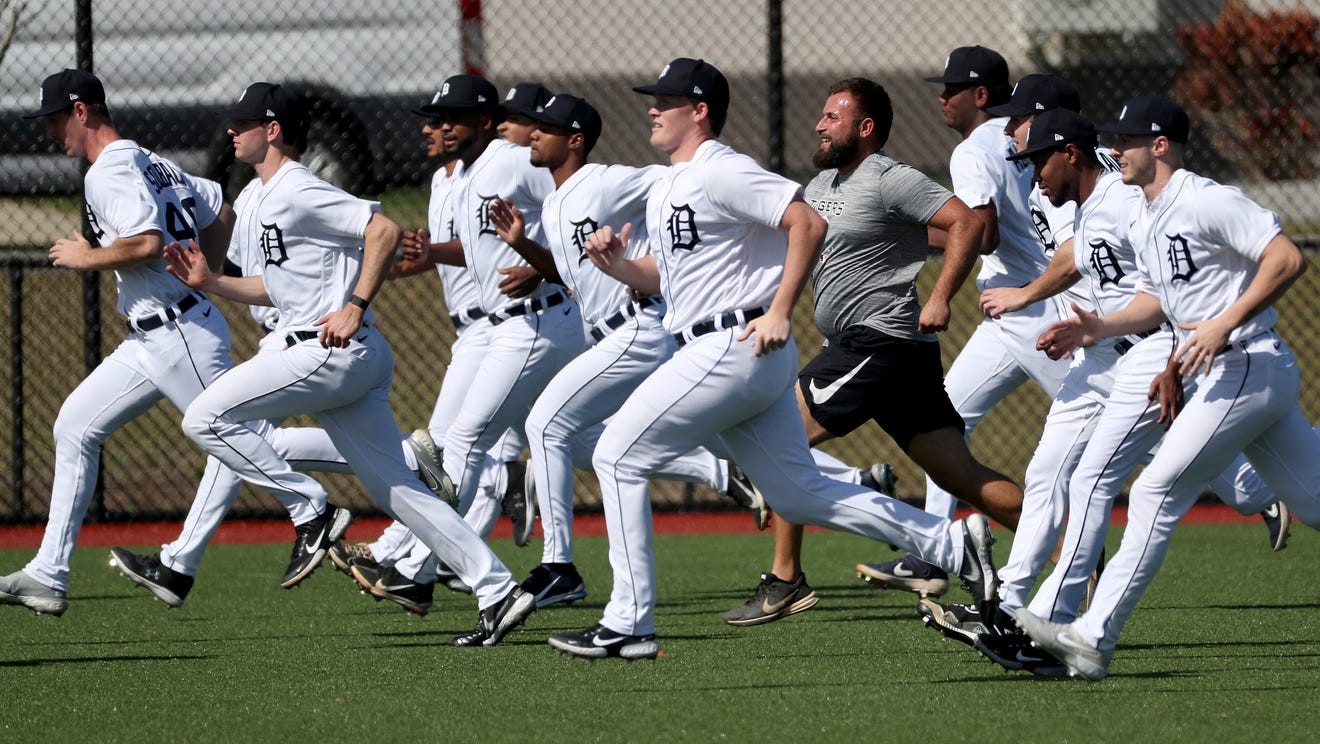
(278, 531)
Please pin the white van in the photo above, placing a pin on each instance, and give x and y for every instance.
(171, 68)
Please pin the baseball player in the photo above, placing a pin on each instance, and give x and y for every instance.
(880, 339)
(1211, 264)
(1001, 353)
(731, 247)
(327, 254)
(521, 104)
(178, 343)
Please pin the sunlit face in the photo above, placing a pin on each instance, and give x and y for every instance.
(1056, 180)
(1017, 128)
(673, 121)
(839, 130)
(1136, 158)
(550, 146)
(433, 140)
(251, 140)
(517, 129)
(461, 130)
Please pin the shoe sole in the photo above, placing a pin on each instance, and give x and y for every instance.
(523, 607)
(802, 605)
(171, 600)
(978, 533)
(627, 652)
(749, 497)
(365, 584)
(564, 598)
(415, 608)
(1285, 528)
(39, 605)
(922, 587)
(1043, 637)
(435, 479)
(523, 533)
(934, 617)
(338, 526)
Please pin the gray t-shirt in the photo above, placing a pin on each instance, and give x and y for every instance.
(875, 246)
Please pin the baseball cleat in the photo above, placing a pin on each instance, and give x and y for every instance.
(1016, 651)
(962, 623)
(445, 575)
(313, 541)
(520, 508)
(774, 598)
(881, 478)
(1062, 641)
(429, 468)
(20, 589)
(909, 573)
(978, 567)
(168, 585)
(1278, 519)
(399, 589)
(748, 496)
(555, 583)
(365, 572)
(599, 642)
(498, 619)
(342, 553)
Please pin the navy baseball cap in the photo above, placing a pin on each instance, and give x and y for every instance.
(1054, 129)
(691, 78)
(273, 102)
(462, 92)
(1151, 116)
(526, 99)
(974, 65)
(1038, 93)
(61, 90)
(572, 113)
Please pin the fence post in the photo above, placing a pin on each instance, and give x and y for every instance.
(16, 459)
(91, 280)
(774, 80)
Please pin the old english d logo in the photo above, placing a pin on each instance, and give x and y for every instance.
(483, 214)
(272, 244)
(1105, 263)
(683, 228)
(581, 231)
(1043, 230)
(1180, 258)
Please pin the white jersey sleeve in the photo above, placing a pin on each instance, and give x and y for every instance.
(1235, 221)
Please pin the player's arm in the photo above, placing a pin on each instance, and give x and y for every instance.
(511, 226)
(214, 238)
(74, 252)
(415, 243)
(806, 235)
(188, 263)
(1061, 274)
(1087, 327)
(379, 240)
(962, 245)
(1280, 265)
(450, 252)
(607, 251)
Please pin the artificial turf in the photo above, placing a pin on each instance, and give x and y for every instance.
(1225, 645)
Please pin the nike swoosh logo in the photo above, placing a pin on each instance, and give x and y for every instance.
(310, 546)
(821, 395)
(1027, 658)
(207, 313)
(1067, 642)
(767, 607)
(598, 643)
(902, 572)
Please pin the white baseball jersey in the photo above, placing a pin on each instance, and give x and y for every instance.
(1198, 245)
(982, 174)
(1102, 253)
(250, 260)
(714, 232)
(460, 291)
(301, 225)
(504, 171)
(593, 197)
(130, 191)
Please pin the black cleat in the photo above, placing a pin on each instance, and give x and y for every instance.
(169, 586)
(599, 642)
(1278, 520)
(313, 542)
(1016, 651)
(517, 503)
(342, 553)
(399, 589)
(555, 583)
(498, 619)
(956, 622)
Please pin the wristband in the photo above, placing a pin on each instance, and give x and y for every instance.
(355, 300)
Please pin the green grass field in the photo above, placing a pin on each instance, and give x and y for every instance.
(1226, 645)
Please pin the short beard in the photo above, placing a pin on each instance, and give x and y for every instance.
(840, 152)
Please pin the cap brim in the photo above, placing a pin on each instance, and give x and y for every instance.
(1008, 109)
(948, 80)
(1123, 129)
(656, 89)
(47, 111)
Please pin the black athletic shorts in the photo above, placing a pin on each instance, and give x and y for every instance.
(865, 374)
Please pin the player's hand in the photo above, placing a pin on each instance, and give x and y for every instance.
(508, 221)
(934, 317)
(1167, 386)
(1061, 339)
(416, 244)
(1201, 348)
(772, 331)
(187, 263)
(73, 252)
(606, 250)
(999, 300)
(338, 328)
(519, 281)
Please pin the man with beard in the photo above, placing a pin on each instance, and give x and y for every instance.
(881, 359)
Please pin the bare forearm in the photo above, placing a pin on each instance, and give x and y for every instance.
(806, 237)
(1059, 275)
(214, 239)
(1141, 314)
(126, 252)
(640, 274)
(449, 253)
(382, 235)
(960, 253)
(249, 290)
(539, 258)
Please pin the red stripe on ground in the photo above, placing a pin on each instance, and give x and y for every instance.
(237, 532)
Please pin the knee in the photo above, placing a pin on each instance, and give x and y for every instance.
(198, 422)
(73, 428)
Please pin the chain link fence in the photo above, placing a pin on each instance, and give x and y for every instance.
(1246, 71)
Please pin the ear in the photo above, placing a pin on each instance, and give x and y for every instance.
(79, 111)
(1160, 146)
(577, 141)
(866, 127)
(982, 96)
(275, 131)
(1073, 153)
(701, 110)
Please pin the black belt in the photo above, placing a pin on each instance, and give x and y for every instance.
(731, 319)
(603, 328)
(163, 316)
(1243, 343)
(466, 317)
(297, 337)
(529, 306)
(1125, 344)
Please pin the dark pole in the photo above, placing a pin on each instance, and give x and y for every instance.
(774, 79)
(91, 280)
(16, 459)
